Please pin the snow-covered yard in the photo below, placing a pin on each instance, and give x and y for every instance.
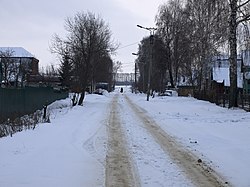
(71, 150)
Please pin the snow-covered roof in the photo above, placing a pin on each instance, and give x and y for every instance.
(17, 51)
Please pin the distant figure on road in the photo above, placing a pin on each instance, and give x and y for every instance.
(121, 90)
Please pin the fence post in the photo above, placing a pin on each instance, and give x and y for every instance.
(224, 99)
(44, 112)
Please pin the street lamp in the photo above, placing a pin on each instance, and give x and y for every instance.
(151, 30)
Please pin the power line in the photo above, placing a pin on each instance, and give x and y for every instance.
(127, 45)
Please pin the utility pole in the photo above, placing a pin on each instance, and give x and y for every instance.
(151, 30)
(135, 74)
(135, 80)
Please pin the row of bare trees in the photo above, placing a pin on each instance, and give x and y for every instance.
(85, 53)
(189, 34)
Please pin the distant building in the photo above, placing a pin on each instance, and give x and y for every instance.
(16, 64)
(124, 78)
(221, 70)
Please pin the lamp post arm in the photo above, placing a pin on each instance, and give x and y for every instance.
(150, 29)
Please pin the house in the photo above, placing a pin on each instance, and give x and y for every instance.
(124, 78)
(15, 64)
(221, 72)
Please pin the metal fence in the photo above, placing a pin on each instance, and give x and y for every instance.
(17, 102)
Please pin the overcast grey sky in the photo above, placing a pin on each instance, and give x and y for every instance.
(31, 24)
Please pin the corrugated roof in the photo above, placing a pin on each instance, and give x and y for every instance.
(17, 51)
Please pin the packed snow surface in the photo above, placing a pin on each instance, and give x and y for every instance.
(71, 150)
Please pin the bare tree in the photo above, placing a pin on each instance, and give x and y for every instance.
(209, 18)
(243, 36)
(8, 67)
(169, 23)
(89, 38)
(198, 29)
(239, 13)
(192, 30)
(50, 71)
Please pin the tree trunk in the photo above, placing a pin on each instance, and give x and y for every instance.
(170, 68)
(171, 77)
(233, 54)
(80, 102)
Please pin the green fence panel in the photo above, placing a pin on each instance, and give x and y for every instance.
(17, 102)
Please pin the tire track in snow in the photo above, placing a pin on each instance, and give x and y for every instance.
(199, 173)
(153, 165)
(119, 169)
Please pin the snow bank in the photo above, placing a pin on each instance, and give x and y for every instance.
(62, 153)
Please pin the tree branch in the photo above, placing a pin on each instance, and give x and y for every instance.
(245, 18)
(243, 4)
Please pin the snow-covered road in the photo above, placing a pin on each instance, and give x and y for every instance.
(80, 145)
(176, 154)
